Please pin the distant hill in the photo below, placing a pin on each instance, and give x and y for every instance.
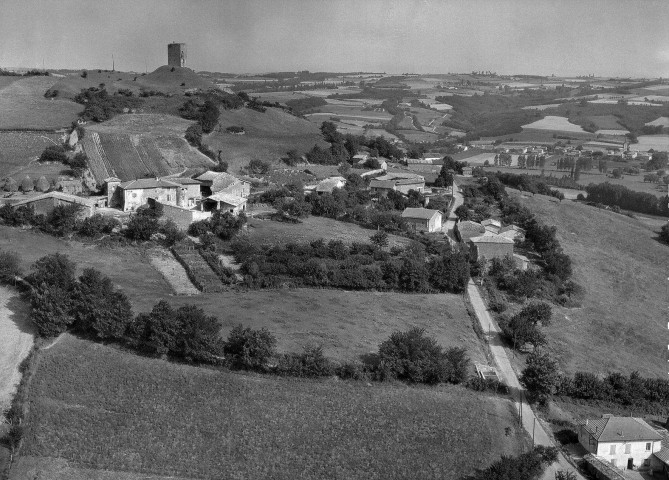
(268, 136)
(140, 145)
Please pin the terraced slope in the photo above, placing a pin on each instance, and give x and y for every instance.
(140, 145)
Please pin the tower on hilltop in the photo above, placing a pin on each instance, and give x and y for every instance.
(176, 54)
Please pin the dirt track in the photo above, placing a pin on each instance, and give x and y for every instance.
(16, 340)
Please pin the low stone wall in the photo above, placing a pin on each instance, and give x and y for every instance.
(183, 217)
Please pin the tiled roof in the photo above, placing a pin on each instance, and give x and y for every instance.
(614, 429)
(142, 183)
(421, 213)
(468, 225)
(491, 239)
(491, 221)
(184, 181)
(329, 183)
(227, 198)
(381, 184)
(514, 228)
(663, 454)
(59, 195)
(208, 176)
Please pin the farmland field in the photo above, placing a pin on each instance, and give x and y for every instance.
(416, 136)
(552, 122)
(268, 136)
(101, 408)
(623, 269)
(18, 149)
(656, 142)
(664, 121)
(23, 105)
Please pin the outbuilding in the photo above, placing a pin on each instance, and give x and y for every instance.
(423, 219)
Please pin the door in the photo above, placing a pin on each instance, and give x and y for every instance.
(630, 463)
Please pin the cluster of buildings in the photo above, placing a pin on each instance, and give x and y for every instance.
(489, 239)
(184, 200)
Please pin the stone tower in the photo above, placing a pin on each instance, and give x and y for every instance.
(176, 54)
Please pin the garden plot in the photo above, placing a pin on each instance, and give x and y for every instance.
(173, 271)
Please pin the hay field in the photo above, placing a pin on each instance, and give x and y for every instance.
(23, 105)
(101, 408)
(622, 324)
(664, 121)
(656, 142)
(552, 122)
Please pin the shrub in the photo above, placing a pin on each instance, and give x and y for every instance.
(27, 184)
(249, 349)
(141, 227)
(10, 266)
(258, 166)
(95, 225)
(54, 153)
(310, 363)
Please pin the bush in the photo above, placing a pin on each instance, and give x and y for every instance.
(310, 363)
(141, 227)
(10, 267)
(249, 349)
(258, 167)
(54, 153)
(97, 224)
(417, 358)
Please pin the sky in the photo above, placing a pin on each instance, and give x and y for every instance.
(561, 37)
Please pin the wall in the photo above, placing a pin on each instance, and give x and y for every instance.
(46, 205)
(637, 452)
(182, 216)
(133, 199)
(419, 187)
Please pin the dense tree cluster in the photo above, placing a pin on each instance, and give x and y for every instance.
(635, 390)
(100, 106)
(528, 466)
(528, 183)
(223, 225)
(523, 327)
(355, 267)
(621, 196)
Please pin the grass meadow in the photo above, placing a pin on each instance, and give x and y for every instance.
(623, 268)
(347, 324)
(23, 105)
(100, 408)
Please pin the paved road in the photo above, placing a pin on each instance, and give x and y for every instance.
(531, 423)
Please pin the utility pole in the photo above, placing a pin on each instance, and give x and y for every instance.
(113, 66)
(534, 424)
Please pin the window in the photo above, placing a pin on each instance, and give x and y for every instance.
(628, 448)
(648, 446)
(646, 462)
(613, 450)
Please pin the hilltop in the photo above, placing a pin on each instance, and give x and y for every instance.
(165, 79)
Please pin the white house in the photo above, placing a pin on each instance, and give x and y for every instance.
(423, 219)
(624, 442)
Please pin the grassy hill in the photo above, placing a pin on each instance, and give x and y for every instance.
(133, 146)
(269, 136)
(163, 79)
(23, 106)
(622, 324)
(103, 409)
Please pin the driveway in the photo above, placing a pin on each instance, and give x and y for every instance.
(448, 227)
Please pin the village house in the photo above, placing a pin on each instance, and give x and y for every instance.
(327, 185)
(190, 187)
(360, 157)
(399, 182)
(467, 171)
(225, 202)
(129, 196)
(70, 186)
(491, 246)
(467, 229)
(223, 182)
(623, 442)
(423, 219)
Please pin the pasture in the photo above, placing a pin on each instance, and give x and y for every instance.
(623, 269)
(23, 106)
(656, 142)
(103, 409)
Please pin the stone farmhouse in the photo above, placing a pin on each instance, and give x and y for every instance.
(399, 182)
(491, 246)
(623, 442)
(423, 219)
(491, 225)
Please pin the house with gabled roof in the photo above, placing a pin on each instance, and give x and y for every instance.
(492, 225)
(399, 182)
(423, 219)
(623, 442)
(513, 232)
(225, 203)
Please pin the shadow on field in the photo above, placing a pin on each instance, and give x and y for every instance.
(19, 312)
